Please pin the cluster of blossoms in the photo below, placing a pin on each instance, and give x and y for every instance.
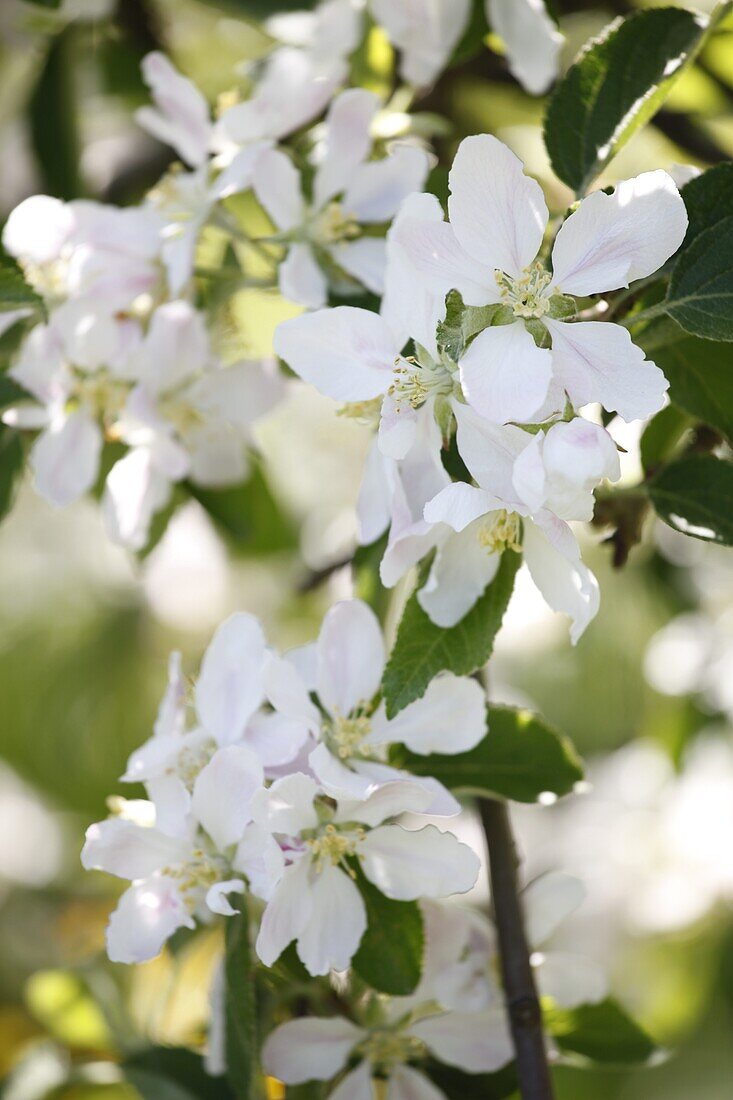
(274, 776)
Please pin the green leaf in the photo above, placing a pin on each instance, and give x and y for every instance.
(700, 292)
(520, 758)
(462, 323)
(661, 437)
(700, 374)
(240, 1005)
(14, 290)
(173, 1073)
(618, 83)
(248, 516)
(422, 649)
(709, 200)
(390, 954)
(458, 1085)
(12, 460)
(53, 114)
(695, 496)
(599, 1032)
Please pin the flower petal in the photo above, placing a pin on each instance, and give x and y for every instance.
(597, 361)
(175, 348)
(504, 375)
(301, 278)
(356, 1085)
(230, 684)
(547, 901)
(223, 791)
(377, 188)
(65, 458)
(571, 980)
(287, 806)
(288, 691)
(136, 488)
(611, 240)
(442, 803)
(260, 858)
(425, 34)
(276, 183)
(566, 584)
(217, 900)
(348, 142)
(286, 913)
(531, 38)
(489, 451)
(477, 1042)
(336, 778)
(450, 718)
(388, 800)
(181, 115)
(406, 1083)
(409, 306)
(346, 353)
(310, 1049)
(336, 923)
(129, 850)
(146, 915)
(433, 250)
(373, 505)
(409, 865)
(498, 213)
(459, 574)
(350, 656)
(365, 259)
(275, 739)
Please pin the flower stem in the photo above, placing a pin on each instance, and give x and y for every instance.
(520, 992)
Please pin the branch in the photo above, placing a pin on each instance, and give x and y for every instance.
(520, 992)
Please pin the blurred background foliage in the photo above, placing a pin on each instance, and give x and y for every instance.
(85, 628)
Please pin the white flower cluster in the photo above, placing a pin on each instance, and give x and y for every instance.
(273, 775)
(527, 362)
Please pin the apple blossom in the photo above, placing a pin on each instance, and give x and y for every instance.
(350, 192)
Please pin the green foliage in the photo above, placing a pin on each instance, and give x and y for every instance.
(599, 1032)
(173, 1073)
(473, 1086)
(240, 1005)
(700, 292)
(619, 81)
(520, 758)
(661, 436)
(700, 374)
(422, 649)
(695, 496)
(11, 467)
(390, 953)
(53, 117)
(248, 516)
(462, 323)
(14, 290)
(708, 199)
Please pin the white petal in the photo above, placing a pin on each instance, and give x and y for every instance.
(260, 858)
(238, 394)
(409, 306)
(459, 504)
(346, 353)
(597, 361)
(532, 41)
(217, 900)
(182, 116)
(374, 500)
(276, 739)
(459, 574)
(287, 806)
(146, 915)
(442, 803)
(571, 980)
(504, 375)
(215, 1056)
(611, 240)
(288, 690)
(567, 585)
(134, 491)
(65, 458)
(450, 718)
(356, 1085)
(336, 923)
(348, 141)
(310, 1049)
(477, 1042)
(489, 451)
(427, 863)
(406, 1083)
(301, 279)
(547, 901)
(276, 183)
(175, 348)
(237, 176)
(38, 228)
(350, 656)
(388, 800)
(230, 684)
(223, 791)
(377, 188)
(498, 214)
(425, 33)
(286, 914)
(433, 250)
(365, 259)
(336, 778)
(128, 850)
(172, 803)
(563, 467)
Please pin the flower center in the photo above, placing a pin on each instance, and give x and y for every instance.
(195, 877)
(101, 394)
(414, 382)
(192, 759)
(333, 224)
(387, 1049)
(365, 412)
(526, 296)
(334, 847)
(184, 417)
(501, 533)
(345, 734)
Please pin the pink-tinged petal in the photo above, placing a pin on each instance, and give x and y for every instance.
(364, 259)
(459, 574)
(146, 916)
(450, 718)
(598, 361)
(356, 1085)
(489, 451)
(562, 468)
(433, 250)
(336, 923)
(287, 806)
(217, 896)
(65, 458)
(230, 684)
(567, 585)
(350, 656)
(611, 240)
(547, 901)
(276, 183)
(129, 850)
(409, 305)
(181, 114)
(504, 375)
(406, 1083)
(531, 38)
(377, 188)
(427, 863)
(301, 278)
(391, 799)
(287, 912)
(346, 353)
(310, 1049)
(223, 792)
(498, 214)
(260, 858)
(570, 980)
(348, 142)
(477, 1042)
